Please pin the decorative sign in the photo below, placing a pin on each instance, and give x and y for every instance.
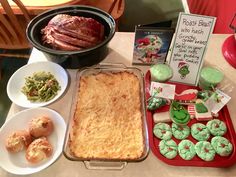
(189, 46)
(151, 44)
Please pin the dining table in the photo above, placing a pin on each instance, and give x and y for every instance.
(121, 51)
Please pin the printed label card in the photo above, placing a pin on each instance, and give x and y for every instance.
(217, 101)
(151, 44)
(189, 47)
(162, 90)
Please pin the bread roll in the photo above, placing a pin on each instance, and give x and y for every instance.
(39, 150)
(40, 126)
(18, 141)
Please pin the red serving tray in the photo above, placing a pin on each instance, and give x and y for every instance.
(196, 161)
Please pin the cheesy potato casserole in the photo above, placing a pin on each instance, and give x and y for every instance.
(107, 122)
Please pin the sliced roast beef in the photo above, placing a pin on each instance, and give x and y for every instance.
(69, 39)
(79, 34)
(64, 46)
(67, 32)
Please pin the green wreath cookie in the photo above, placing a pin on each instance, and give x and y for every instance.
(168, 148)
(162, 131)
(205, 150)
(200, 132)
(222, 145)
(186, 149)
(216, 127)
(180, 131)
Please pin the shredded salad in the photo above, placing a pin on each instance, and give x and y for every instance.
(40, 87)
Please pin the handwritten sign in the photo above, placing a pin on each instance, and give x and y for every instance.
(189, 47)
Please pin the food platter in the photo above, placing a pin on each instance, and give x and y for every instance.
(114, 160)
(17, 81)
(17, 163)
(196, 161)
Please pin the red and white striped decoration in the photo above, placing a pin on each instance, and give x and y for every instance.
(191, 111)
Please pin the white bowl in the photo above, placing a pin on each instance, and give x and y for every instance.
(17, 81)
(17, 163)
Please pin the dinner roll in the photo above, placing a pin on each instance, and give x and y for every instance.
(39, 150)
(40, 126)
(18, 140)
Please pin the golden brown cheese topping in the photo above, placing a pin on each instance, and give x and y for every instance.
(108, 118)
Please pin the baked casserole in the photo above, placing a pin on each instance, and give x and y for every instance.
(107, 122)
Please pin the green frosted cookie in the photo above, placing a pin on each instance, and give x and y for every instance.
(168, 148)
(186, 149)
(221, 145)
(200, 132)
(180, 131)
(210, 77)
(179, 114)
(216, 127)
(201, 108)
(205, 150)
(162, 131)
(161, 72)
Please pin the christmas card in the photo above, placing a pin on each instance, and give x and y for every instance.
(151, 44)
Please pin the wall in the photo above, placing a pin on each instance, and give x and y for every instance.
(149, 11)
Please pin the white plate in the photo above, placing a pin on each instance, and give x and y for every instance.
(17, 81)
(17, 163)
